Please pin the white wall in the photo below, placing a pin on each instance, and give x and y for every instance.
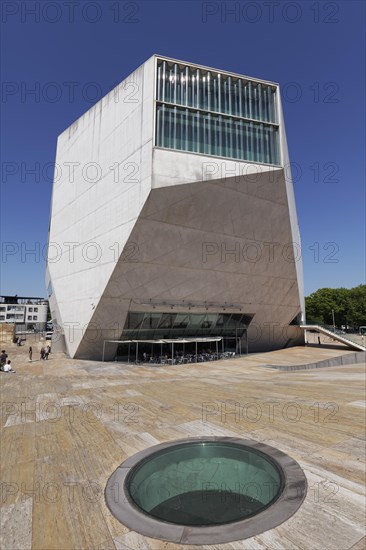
(292, 206)
(117, 131)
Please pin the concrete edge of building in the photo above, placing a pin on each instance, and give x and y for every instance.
(350, 359)
(59, 344)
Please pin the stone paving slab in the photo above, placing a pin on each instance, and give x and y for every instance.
(68, 424)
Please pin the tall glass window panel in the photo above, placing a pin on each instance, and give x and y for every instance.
(215, 114)
(193, 87)
(213, 134)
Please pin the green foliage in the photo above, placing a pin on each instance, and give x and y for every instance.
(349, 306)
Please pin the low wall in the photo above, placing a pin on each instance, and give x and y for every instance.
(349, 359)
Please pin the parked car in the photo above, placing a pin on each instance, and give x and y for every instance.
(49, 335)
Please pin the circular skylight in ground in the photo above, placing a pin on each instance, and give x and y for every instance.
(206, 490)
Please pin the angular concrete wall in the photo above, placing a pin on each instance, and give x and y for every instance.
(92, 217)
(220, 241)
(190, 228)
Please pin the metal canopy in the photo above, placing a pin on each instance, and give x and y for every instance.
(167, 341)
(171, 341)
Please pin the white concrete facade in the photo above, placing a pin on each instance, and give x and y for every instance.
(32, 311)
(136, 227)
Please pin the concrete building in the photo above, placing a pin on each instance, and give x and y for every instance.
(173, 215)
(24, 311)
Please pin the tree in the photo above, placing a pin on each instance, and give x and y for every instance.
(349, 306)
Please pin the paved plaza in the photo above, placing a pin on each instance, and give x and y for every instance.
(68, 424)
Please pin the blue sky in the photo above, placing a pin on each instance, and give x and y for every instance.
(315, 50)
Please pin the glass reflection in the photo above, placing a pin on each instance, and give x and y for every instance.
(202, 111)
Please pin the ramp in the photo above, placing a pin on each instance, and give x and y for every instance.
(344, 339)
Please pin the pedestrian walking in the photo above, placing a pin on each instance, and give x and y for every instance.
(30, 353)
(42, 353)
(319, 340)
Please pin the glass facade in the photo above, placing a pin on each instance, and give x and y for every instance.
(206, 112)
(158, 325)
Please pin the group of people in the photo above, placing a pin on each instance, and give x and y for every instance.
(45, 351)
(5, 363)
